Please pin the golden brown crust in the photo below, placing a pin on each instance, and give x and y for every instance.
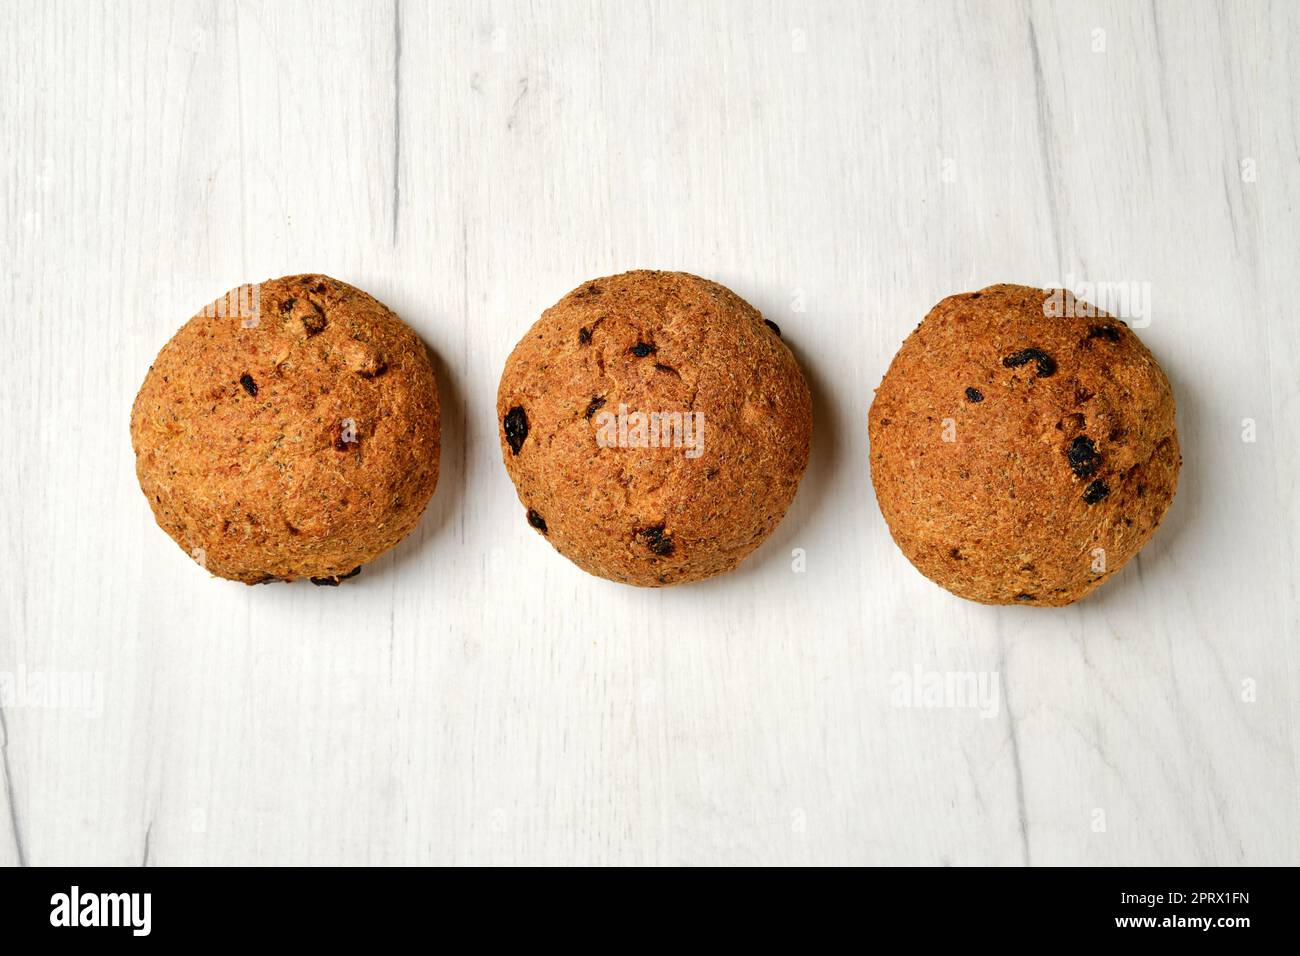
(300, 442)
(654, 342)
(1063, 458)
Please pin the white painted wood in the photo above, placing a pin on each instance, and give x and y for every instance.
(472, 698)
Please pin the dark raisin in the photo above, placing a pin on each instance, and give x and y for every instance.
(1107, 332)
(1025, 596)
(1046, 364)
(596, 404)
(773, 326)
(341, 445)
(314, 321)
(661, 367)
(642, 349)
(537, 521)
(663, 547)
(1095, 492)
(655, 539)
(287, 306)
(584, 335)
(516, 428)
(1083, 456)
(333, 582)
(250, 386)
(974, 394)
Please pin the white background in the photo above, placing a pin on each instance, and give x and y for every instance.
(472, 697)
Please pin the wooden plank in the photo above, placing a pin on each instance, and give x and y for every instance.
(473, 698)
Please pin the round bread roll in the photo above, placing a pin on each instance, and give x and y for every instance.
(290, 430)
(655, 426)
(1023, 446)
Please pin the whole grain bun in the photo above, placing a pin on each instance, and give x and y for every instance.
(1023, 446)
(668, 344)
(289, 430)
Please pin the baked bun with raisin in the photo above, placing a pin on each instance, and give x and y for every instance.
(1023, 446)
(655, 426)
(290, 430)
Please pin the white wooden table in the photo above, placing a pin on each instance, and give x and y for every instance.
(472, 697)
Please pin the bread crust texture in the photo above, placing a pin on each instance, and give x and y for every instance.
(606, 488)
(1023, 446)
(289, 430)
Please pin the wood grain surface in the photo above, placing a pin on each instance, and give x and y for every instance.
(474, 698)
